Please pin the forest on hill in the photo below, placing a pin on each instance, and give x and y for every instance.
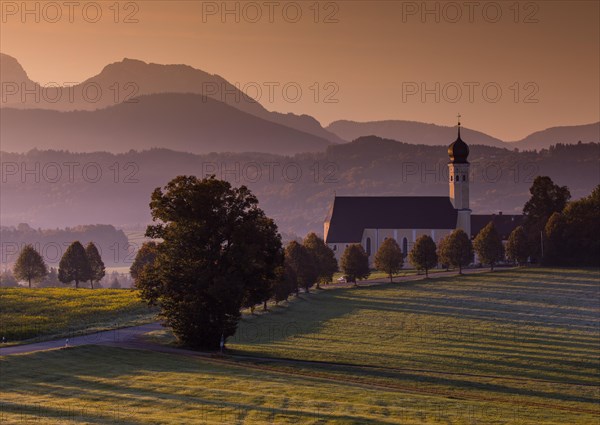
(50, 189)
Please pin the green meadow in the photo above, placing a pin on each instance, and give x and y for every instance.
(515, 346)
(29, 315)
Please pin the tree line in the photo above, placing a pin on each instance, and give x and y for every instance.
(78, 264)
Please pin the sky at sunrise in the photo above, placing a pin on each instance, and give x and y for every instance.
(510, 68)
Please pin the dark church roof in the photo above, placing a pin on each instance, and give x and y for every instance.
(350, 215)
(505, 224)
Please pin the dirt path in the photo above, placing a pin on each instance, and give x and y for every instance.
(115, 336)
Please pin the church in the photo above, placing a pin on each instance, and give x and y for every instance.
(369, 220)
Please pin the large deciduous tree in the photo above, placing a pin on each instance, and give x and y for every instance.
(97, 269)
(517, 248)
(355, 263)
(389, 258)
(456, 250)
(423, 254)
(323, 258)
(74, 265)
(488, 245)
(218, 248)
(30, 265)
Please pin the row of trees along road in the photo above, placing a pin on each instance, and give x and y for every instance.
(77, 264)
(454, 250)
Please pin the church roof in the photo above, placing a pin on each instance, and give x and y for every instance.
(505, 224)
(350, 215)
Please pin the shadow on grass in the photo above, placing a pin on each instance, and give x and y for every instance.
(89, 381)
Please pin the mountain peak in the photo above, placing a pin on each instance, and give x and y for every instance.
(11, 70)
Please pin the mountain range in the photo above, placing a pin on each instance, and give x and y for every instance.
(137, 105)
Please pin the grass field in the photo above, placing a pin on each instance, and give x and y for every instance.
(37, 314)
(510, 347)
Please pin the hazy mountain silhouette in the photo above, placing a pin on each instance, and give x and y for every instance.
(12, 71)
(183, 122)
(565, 134)
(431, 134)
(122, 81)
(413, 132)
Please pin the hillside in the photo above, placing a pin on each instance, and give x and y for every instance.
(295, 190)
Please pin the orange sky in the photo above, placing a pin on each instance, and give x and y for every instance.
(375, 54)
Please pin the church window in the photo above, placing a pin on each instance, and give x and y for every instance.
(335, 247)
(451, 178)
(404, 247)
(464, 178)
(368, 246)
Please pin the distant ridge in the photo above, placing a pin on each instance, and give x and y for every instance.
(567, 135)
(182, 122)
(431, 134)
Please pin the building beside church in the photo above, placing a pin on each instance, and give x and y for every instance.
(369, 220)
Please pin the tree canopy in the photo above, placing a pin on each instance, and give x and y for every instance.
(355, 263)
(322, 256)
(301, 269)
(30, 265)
(97, 269)
(517, 248)
(145, 256)
(488, 245)
(74, 265)
(456, 250)
(546, 199)
(389, 258)
(423, 254)
(218, 249)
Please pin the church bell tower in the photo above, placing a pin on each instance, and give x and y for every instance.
(458, 179)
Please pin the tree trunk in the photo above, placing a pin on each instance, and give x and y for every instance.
(76, 284)
(307, 289)
(391, 280)
(492, 267)
(29, 283)
(265, 306)
(459, 269)
(92, 284)
(426, 273)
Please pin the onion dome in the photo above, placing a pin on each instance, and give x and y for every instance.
(458, 151)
